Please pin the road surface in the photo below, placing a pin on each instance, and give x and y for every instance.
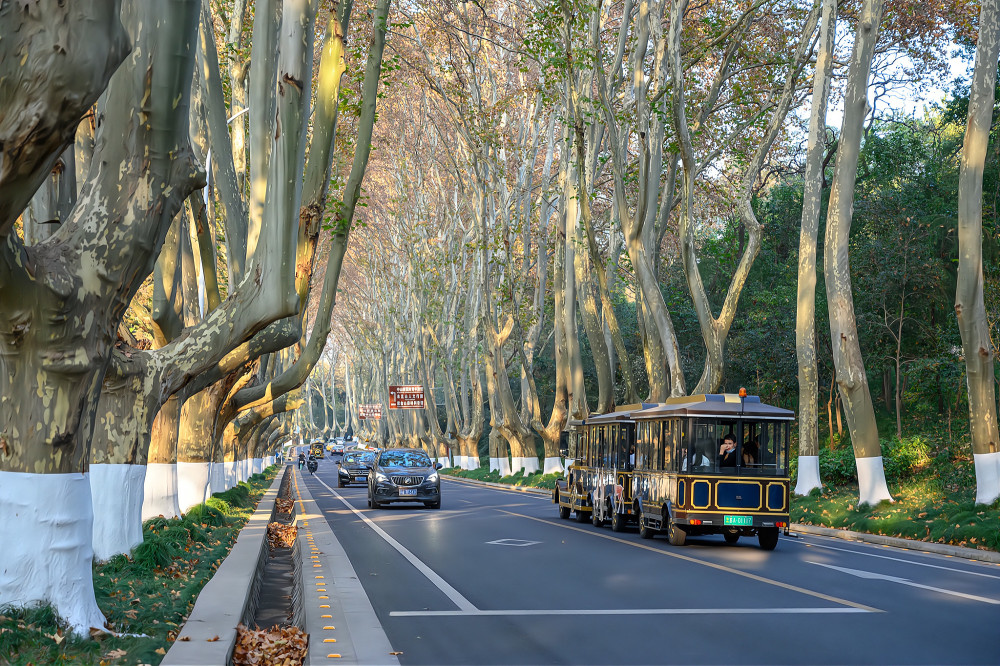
(495, 577)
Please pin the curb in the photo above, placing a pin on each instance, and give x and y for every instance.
(898, 542)
(814, 530)
(229, 596)
(337, 614)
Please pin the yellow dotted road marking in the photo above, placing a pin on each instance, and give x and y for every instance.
(324, 605)
(329, 640)
(326, 616)
(333, 656)
(323, 597)
(318, 576)
(329, 628)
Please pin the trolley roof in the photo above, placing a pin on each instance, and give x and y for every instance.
(622, 413)
(724, 405)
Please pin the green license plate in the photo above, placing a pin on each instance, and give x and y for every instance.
(737, 520)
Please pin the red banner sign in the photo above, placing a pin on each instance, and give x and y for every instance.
(406, 397)
(372, 411)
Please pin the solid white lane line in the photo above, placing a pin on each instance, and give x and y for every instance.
(904, 581)
(808, 544)
(634, 611)
(432, 576)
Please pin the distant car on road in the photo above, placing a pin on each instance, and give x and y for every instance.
(404, 475)
(337, 447)
(354, 467)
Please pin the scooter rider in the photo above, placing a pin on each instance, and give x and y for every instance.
(302, 460)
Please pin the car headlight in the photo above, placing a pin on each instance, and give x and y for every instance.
(381, 478)
(432, 477)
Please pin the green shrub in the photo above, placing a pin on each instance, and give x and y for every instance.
(205, 514)
(903, 458)
(153, 553)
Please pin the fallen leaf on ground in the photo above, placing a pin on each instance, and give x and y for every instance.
(160, 650)
(277, 645)
(280, 535)
(116, 654)
(285, 505)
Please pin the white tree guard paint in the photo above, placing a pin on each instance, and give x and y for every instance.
(230, 475)
(46, 528)
(258, 466)
(193, 483)
(444, 460)
(160, 492)
(808, 475)
(471, 463)
(116, 493)
(528, 464)
(987, 477)
(218, 478)
(553, 466)
(504, 466)
(872, 488)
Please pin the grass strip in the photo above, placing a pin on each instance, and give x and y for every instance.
(534, 480)
(148, 594)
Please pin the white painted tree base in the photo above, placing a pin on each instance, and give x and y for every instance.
(872, 488)
(258, 466)
(46, 532)
(528, 464)
(218, 479)
(987, 477)
(501, 465)
(192, 484)
(808, 475)
(445, 461)
(160, 492)
(553, 466)
(116, 492)
(231, 472)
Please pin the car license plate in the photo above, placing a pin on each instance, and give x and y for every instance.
(407, 491)
(738, 520)
(359, 478)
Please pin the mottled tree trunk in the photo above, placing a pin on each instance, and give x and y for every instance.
(805, 313)
(969, 304)
(852, 381)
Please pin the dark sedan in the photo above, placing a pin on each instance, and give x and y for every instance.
(354, 467)
(404, 475)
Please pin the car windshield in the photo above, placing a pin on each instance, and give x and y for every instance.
(357, 458)
(404, 459)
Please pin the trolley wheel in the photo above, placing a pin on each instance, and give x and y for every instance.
(767, 537)
(597, 517)
(645, 531)
(564, 511)
(675, 534)
(731, 537)
(618, 521)
(581, 516)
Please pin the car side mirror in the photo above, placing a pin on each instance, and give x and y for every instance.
(438, 466)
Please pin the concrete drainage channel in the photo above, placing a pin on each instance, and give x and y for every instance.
(243, 589)
(312, 586)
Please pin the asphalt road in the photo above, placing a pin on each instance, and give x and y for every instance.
(495, 577)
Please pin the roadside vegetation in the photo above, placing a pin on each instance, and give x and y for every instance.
(146, 596)
(931, 475)
(484, 473)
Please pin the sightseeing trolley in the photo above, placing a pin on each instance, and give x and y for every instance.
(703, 464)
(598, 485)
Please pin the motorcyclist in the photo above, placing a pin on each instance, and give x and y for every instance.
(302, 460)
(312, 464)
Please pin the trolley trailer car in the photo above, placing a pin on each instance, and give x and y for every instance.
(665, 467)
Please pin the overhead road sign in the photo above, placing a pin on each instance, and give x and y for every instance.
(406, 397)
(370, 411)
